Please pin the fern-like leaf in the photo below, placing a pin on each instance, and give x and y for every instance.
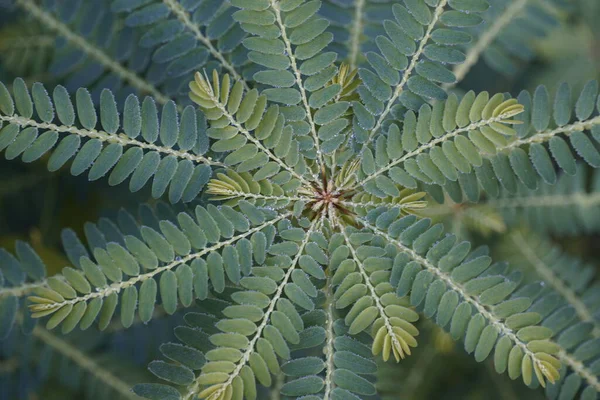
(434, 149)
(84, 57)
(36, 124)
(185, 37)
(233, 187)
(289, 41)
(440, 144)
(566, 208)
(570, 306)
(508, 34)
(233, 116)
(362, 284)
(478, 301)
(178, 258)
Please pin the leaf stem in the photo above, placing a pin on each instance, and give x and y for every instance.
(544, 136)
(475, 51)
(258, 196)
(580, 369)
(84, 361)
(355, 32)
(24, 43)
(21, 290)
(299, 83)
(121, 139)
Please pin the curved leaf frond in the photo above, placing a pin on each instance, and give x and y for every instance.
(469, 295)
(504, 40)
(569, 304)
(567, 208)
(37, 124)
(439, 144)
(185, 37)
(178, 259)
(81, 48)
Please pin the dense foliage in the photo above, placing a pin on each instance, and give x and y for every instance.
(311, 199)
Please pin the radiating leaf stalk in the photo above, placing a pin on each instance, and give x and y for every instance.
(108, 138)
(355, 32)
(299, 82)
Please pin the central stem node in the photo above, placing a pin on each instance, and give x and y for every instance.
(327, 197)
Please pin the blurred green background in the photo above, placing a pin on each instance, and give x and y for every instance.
(36, 205)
